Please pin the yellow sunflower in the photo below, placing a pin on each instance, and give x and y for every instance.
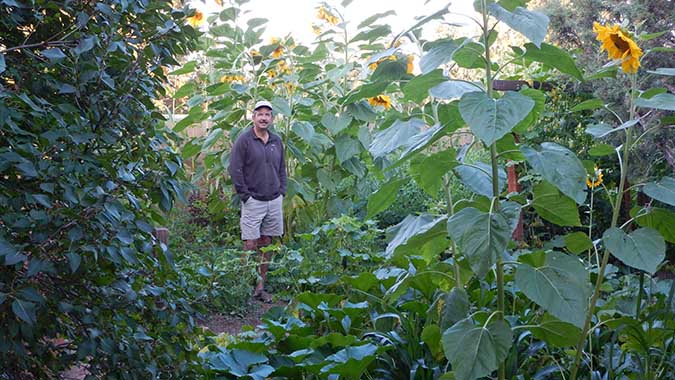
(324, 14)
(595, 180)
(232, 78)
(196, 20)
(409, 67)
(278, 52)
(373, 65)
(380, 100)
(619, 45)
(283, 67)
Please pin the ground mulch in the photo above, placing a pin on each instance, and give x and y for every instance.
(234, 324)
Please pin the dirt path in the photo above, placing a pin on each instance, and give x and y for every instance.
(233, 325)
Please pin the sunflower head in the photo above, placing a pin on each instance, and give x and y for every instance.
(619, 45)
(380, 100)
(278, 52)
(409, 67)
(324, 14)
(196, 20)
(595, 180)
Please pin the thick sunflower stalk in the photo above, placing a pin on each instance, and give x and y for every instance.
(619, 46)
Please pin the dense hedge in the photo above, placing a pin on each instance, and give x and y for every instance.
(85, 168)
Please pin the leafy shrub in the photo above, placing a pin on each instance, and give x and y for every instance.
(208, 253)
(341, 246)
(411, 199)
(86, 166)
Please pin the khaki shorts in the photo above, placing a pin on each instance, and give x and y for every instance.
(261, 218)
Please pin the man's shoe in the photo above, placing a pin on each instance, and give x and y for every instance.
(263, 296)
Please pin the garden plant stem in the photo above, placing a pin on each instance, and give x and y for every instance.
(495, 173)
(605, 257)
(451, 212)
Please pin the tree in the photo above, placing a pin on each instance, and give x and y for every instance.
(86, 166)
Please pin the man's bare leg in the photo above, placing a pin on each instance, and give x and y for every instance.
(265, 258)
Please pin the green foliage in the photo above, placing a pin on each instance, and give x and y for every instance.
(86, 167)
(207, 251)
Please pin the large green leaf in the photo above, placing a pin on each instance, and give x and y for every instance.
(470, 55)
(662, 190)
(560, 286)
(418, 88)
(240, 363)
(642, 249)
(428, 171)
(480, 236)
(304, 130)
(539, 105)
(554, 57)
(397, 135)
(188, 67)
(415, 232)
(384, 197)
(559, 166)
(530, 24)
(660, 219)
(553, 206)
(346, 147)
(373, 33)
(476, 350)
(456, 307)
(423, 140)
(578, 242)
(439, 54)
(350, 362)
(491, 119)
(453, 89)
(660, 101)
(366, 91)
(390, 71)
(602, 129)
(555, 332)
(590, 104)
(430, 281)
(431, 336)
(478, 178)
(335, 124)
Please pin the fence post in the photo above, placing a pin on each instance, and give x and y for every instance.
(162, 235)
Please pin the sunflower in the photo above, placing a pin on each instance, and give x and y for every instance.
(619, 45)
(380, 100)
(271, 73)
(316, 29)
(283, 67)
(409, 67)
(232, 78)
(278, 52)
(373, 65)
(324, 14)
(196, 20)
(595, 180)
(291, 87)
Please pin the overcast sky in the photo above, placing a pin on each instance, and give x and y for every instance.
(296, 16)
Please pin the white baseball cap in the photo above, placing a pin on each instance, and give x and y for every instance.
(263, 103)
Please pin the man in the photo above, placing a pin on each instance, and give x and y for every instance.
(258, 171)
